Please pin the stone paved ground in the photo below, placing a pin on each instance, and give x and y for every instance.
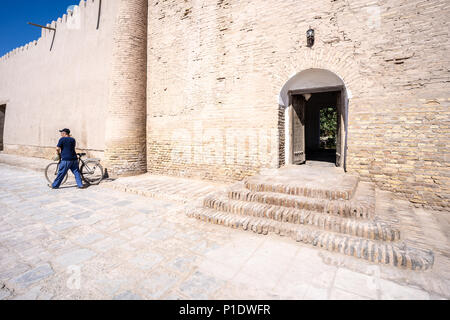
(101, 243)
(36, 164)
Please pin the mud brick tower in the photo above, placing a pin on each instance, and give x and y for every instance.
(125, 138)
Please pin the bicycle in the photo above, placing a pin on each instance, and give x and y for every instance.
(91, 170)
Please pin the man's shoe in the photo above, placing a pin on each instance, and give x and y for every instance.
(51, 187)
(83, 187)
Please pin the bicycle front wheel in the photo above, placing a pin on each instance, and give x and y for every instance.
(51, 172)
(92, 172)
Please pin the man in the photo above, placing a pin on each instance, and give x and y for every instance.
(69, 160)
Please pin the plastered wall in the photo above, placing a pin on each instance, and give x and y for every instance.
(66, 87)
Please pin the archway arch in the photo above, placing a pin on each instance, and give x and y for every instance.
(294, 97)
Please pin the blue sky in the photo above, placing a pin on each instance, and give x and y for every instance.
(14, 15)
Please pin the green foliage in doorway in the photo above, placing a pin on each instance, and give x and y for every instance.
(328, 127)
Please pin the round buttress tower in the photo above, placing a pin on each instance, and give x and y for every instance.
(125, 137)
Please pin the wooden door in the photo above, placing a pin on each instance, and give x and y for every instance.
(298, 129)
(2, 124)
(340, 129)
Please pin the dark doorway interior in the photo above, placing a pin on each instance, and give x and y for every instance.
(2, 124)
(321, 127)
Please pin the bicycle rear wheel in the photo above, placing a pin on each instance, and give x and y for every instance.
(51, 172)
(92, 172)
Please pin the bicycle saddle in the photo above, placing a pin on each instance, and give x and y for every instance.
(81, 154)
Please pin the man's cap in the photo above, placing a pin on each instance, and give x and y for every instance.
(65, 130)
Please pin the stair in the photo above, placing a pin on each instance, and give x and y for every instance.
(367, 229)
(317, 206)
(359, 207)
(344, 192)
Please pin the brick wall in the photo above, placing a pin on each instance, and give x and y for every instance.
(216, 69)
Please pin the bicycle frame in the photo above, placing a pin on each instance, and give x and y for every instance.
(80, 164)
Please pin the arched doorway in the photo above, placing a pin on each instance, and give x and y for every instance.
(315, 103)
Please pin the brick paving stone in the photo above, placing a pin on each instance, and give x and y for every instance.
(316, 293)
(4, 293)
(138, 219)
(158, 283)
(173, 296)
(75, 257)
(64, 226)
(338, 294)
(83, 215)
(106, 244)
(35, 275)
(393, 291)
(161, 234)
(200, 286)
(90, 238)
(182, 263)
(31, 294)
(146, 261)
(110, 287)
(133, 232)
(356, 283)
(127, 295)
(268, 268)
(122, 203)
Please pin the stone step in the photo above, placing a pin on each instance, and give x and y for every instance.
(360, 207)
(165, 188)
(369, 229)
(398, 255)
(293, 188)
(312, 182)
